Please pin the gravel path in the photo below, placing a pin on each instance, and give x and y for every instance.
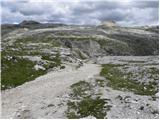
(38, 98)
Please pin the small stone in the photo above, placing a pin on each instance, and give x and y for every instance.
(50, 105)
(141, 108)
(119, 97)
(157, 94)
(138, 112)
(154, 98)
(155, 112)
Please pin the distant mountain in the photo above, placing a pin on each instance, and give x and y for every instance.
(29, 22)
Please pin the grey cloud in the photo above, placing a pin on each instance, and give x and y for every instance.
(116, 14)
(146, 4)
(134, 12)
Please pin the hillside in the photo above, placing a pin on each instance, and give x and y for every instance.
(104, 40)
(72, 71)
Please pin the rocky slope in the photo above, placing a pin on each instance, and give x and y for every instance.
(85, 93)
(69, 71)
(91, 40)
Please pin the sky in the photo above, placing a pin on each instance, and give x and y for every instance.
(81, 12)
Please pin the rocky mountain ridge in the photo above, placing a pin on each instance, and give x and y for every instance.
(92, 41)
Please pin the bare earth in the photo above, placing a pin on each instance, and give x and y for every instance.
(47, 96)
(40, 98)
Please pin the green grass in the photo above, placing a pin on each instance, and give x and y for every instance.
(47, 57)
(18, 71)
(79, 89)
(154, 70)
(121, 81)
(57, 59)
(87, 107)
(9, 52)
(49, 65)
(36, 39)
(84, 103)
(100, 83)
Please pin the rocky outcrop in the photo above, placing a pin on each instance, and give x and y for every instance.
(90, 41)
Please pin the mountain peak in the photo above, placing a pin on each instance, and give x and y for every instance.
(29, 22)
(109, 23)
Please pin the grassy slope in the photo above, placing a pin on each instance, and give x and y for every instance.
(16, 70)
(122, 81)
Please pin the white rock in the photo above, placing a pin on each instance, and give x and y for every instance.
(37, 67)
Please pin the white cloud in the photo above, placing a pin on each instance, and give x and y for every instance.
(130, 12)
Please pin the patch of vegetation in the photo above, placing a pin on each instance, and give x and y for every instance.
(10, 52)
(29, 45)
(133, 61)
(81, 89)
(18, 71)
(47, 57)
(34, 53)
(84, 104)
(24, 40)
(56, 59)
(53, 42)
(76, 38)
(49, 65)
(37, 39)
(62, 67)
(153, 73)
(87, 107)
(62, 33)
(154, 70)
(121, 81)
(100, 83)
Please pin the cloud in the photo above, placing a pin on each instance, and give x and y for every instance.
(127, 12)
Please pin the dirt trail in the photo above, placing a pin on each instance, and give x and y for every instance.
(38, 98)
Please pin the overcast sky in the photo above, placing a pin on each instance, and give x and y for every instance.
(124, 12)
